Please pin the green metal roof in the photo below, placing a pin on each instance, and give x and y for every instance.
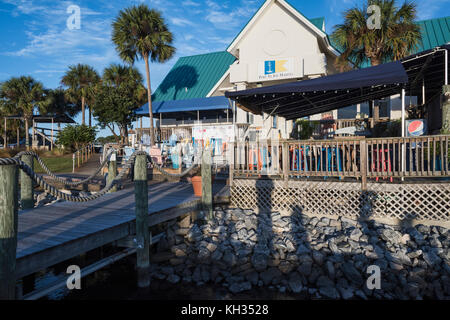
(318, 22)
(435, 32)
(194, 76)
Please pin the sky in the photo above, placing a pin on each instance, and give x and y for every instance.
(36, 39)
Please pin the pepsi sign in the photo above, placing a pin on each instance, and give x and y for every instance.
(416, 128)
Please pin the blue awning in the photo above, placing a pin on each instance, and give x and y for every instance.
(199, 104)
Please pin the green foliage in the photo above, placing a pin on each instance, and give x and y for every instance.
(305, 129)
(397, 37)
(80, 81)
(22, 95)
(77, 136)
(119, 95)
(392, 128)
(108, 139)
(141, 33)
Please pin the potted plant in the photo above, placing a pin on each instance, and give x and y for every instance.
(196, 180)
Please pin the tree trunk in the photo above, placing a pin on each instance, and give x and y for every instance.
(83, 103)
(149, 96)
(90, 117)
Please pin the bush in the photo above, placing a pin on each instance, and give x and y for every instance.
(76, 137)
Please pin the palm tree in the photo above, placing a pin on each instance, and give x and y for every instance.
(116, 74)
(141, 33)
(396, 38)
(81, 81)
(24, 94)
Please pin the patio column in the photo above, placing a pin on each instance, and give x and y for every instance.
(446, 110)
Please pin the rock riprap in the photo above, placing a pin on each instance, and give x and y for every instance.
(319, 258)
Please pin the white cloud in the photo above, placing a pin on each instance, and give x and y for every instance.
(181, 22)
(191, 3)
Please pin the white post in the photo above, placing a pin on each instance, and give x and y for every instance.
(73, 162)
(423, 91)
(52, 135)
(446, 68)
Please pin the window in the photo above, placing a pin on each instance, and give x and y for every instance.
(250, 118)
(275, 120)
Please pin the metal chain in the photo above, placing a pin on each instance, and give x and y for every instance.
(59, 179)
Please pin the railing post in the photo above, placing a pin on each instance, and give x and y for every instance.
(112, 171)
(207, 203)
(363, 164)
(231, 164)
(285, 150)
(26, 184)
(142, 232)
(8, 230)
(73, 162)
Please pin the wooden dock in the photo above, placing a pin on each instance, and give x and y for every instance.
(51, 234)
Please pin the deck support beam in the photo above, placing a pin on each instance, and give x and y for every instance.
(142, 233)
(26, 184)
(8, 230)
(207, 202)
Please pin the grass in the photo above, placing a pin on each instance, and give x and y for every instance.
(61, 164)
(58, 161)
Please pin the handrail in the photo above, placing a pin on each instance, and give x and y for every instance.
(390, 157)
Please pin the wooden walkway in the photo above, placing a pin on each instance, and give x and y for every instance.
(51, 234)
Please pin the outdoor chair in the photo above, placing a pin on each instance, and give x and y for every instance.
(127, 152)
(381, 161)
(330, 159)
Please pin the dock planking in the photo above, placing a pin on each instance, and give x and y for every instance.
(58, 232)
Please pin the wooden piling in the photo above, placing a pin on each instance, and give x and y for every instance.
(207, 204)
(8, 230)
(26, 184)
(112, 171)
(142, 232)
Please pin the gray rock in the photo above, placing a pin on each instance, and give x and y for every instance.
(352, 274)
(240, 287)
(390, 235)
(259, 261)
(318, 258)
(295, 282)
(356, 234)
(270, 275)
(330, 269)
(185, 222)
(252, 277)
(173, 278)
(415, 254)
(229, 258)
(431, 258)
(285, 267)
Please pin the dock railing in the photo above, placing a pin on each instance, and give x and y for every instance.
(360, 158)
(82, 155)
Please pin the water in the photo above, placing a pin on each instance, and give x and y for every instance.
(118, 282)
